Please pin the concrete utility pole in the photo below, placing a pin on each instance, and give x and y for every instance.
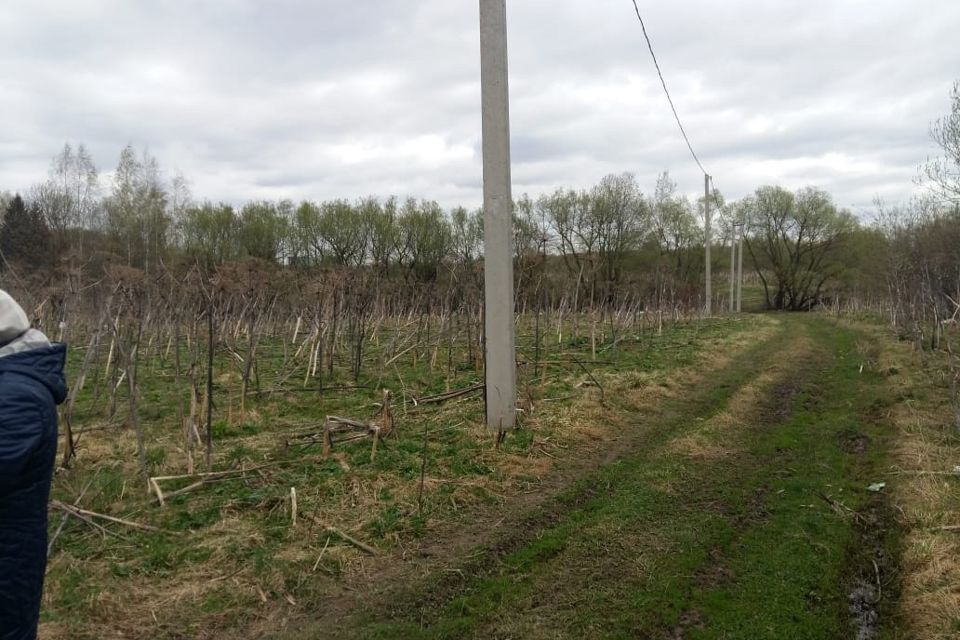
(500, 354)
(740, 269)
(733, 266)
(706, 216)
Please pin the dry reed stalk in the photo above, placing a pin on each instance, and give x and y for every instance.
(56, 504)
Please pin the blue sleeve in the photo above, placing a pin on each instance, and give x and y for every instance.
(21, 437)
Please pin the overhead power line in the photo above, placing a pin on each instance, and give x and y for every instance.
(665, 90)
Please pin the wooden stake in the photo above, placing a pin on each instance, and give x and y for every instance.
(293, 506)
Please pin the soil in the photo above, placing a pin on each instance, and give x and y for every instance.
(873, 584)
(854, 442)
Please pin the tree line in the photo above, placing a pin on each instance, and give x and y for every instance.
(603, 238)
(585, 247)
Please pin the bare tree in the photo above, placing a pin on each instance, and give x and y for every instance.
(943, 173)
(676, 232)
(137, 210)
(70, 198)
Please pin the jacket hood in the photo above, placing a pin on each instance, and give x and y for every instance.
(13, 320)
(45, 365)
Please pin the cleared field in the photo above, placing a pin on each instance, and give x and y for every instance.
(707, 481)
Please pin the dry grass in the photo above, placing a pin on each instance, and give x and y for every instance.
(560, 432)
(926, 453)
(712, 438)
(700, 446)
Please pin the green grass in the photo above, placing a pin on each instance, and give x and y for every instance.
(660, 543)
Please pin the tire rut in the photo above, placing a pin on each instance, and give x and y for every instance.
(439, 570)
(673, 420)
(763, 401)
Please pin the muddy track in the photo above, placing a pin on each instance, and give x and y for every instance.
(873, 579)
(773, 410)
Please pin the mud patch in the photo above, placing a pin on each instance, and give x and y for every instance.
(783, 401)
(873, 584)
(854, 442)
(864, 599)
(689, 620)
(716, 573)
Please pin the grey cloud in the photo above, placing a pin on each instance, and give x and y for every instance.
(317, 99)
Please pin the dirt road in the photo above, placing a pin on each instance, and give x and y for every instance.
(738, 508)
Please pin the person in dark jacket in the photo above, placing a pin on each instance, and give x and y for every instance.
(32, 384)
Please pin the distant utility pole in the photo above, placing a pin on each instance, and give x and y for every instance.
(706, 215)
(733, 266)
(500, 354)
(740, 268)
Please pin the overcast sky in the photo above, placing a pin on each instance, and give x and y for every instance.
(321, 99)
